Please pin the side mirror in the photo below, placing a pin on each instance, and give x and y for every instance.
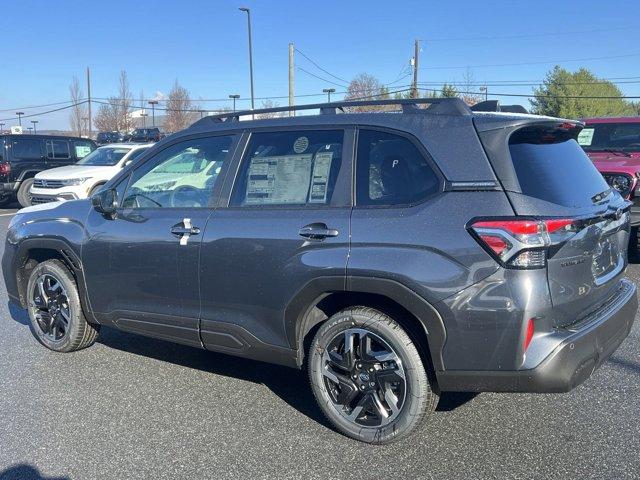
(105, 202)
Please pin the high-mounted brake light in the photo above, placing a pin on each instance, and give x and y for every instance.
(523, 243)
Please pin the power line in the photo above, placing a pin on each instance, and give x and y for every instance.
(320, 78)
(530, 35)
(319, 67)
(45, 113)
(35, 106)
(608, 57)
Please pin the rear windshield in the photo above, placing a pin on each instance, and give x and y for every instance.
(610, 136)
(551, 166)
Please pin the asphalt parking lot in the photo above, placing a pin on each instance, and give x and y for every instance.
(131, 407)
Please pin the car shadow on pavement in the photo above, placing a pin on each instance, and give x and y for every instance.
(25, 472)
(291, 385)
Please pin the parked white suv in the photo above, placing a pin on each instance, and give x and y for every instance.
(85, 177)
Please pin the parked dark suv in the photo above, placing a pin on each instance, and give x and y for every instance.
(22, 156)
(393, 255)
(104, 138)
(145, 135)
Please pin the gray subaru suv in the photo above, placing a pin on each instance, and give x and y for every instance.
(393, 255)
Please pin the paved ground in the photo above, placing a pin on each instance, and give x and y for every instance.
(131, 407)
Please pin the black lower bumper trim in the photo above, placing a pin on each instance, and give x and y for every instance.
(568, 365)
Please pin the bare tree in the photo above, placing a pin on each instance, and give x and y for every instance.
(269, 104)
(78, 109)
(367, 87)
(180, 110)
(125, 122)
(468, 87)
(107, 118)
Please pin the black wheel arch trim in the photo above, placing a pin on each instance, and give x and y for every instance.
(299, 319)
(70, 257)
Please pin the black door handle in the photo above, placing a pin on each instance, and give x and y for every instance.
(317, 231)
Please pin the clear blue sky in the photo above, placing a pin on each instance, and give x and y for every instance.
(203, 44)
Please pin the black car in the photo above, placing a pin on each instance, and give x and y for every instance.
(392, 255)
(22, 156)
(144, 135)
(109, 137)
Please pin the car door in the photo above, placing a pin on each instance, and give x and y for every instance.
(283, 223)
(141, 267)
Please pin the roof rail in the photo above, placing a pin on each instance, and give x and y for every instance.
(494, 106)
(440, 106)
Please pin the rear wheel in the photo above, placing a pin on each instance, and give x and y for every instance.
(57, 320)
(368, 377)
(24, 198)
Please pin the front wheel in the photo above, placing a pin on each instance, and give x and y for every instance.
(57, 320)
(368, 377)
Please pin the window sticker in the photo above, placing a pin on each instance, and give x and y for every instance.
(82, 151)
(278, 180)
(301, 144)
(320, 178)
(585, 137)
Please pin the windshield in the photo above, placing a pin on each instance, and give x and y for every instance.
(104, 156)
(610, 136)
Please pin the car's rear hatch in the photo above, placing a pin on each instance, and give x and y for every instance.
(546, 174)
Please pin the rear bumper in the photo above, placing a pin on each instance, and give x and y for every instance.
(9, 188)
(586, 347)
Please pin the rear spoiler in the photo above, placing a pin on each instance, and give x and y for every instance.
(494, 106)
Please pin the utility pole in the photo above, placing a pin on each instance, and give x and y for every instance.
(35, 129)
(414, 86)
(89, 101)
(292, 113)
(19, 114)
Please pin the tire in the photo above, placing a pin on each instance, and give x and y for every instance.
(24, 199)
(355, 399)
(71, 326)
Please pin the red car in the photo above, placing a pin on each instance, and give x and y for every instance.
(613, 144)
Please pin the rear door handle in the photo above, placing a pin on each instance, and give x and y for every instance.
(317, 231)
(184, 230)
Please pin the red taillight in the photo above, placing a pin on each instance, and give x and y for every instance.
(523, 243)
(5, 168)
(529, 335)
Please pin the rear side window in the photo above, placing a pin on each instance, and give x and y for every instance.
(550, 165)
(58, 149)
(391, 170)
(26, 149)
(289, 168)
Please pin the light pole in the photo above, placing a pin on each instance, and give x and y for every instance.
(486, 92)
(328, 91)
(245, 9)
(144, 119)
(29, 128)
(19, 114)
(153, 104)
(35, 130)
(234, 97)
(1, 127)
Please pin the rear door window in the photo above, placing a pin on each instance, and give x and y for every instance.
(550, 165)
(27, 149)
(289, 168)
(58, 149)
